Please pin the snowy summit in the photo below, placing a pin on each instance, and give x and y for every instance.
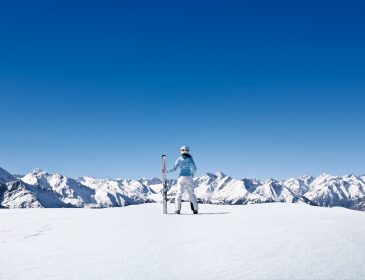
(42, 189)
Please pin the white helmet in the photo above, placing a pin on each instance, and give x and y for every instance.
(184, 150)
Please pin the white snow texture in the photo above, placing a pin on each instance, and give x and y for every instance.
(266, 241)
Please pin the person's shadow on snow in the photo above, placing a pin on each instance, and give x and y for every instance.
(215, 213)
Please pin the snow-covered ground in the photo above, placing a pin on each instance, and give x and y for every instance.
(264, 241)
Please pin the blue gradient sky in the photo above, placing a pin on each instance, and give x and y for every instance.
(255, 88)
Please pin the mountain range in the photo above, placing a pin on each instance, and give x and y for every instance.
(39, 189)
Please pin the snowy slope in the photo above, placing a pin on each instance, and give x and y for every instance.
(69, 191)
(41, 189)
(88, 191)
(266, 241)
(346, 191)
(109, 193)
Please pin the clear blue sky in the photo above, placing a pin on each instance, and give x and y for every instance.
(255, 88)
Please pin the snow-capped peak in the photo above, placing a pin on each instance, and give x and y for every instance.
(42, 189)
(220, 174)
(325, 175)
(38, 172)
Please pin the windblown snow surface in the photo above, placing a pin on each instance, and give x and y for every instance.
(261, 241)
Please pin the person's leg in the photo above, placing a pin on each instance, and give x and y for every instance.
(178, 197)
(191, 194)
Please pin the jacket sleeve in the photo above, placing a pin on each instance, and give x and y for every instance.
(176, 166)
(193, 167)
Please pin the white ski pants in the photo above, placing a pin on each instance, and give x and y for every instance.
(185, 183)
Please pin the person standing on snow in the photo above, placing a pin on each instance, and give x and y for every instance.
(187, 170)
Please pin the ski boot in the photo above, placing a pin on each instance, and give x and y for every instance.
(192, 208)
(177, 212)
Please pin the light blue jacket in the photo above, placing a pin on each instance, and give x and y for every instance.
(186, 165)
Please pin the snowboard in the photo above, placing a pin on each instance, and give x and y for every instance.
(164, 185)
